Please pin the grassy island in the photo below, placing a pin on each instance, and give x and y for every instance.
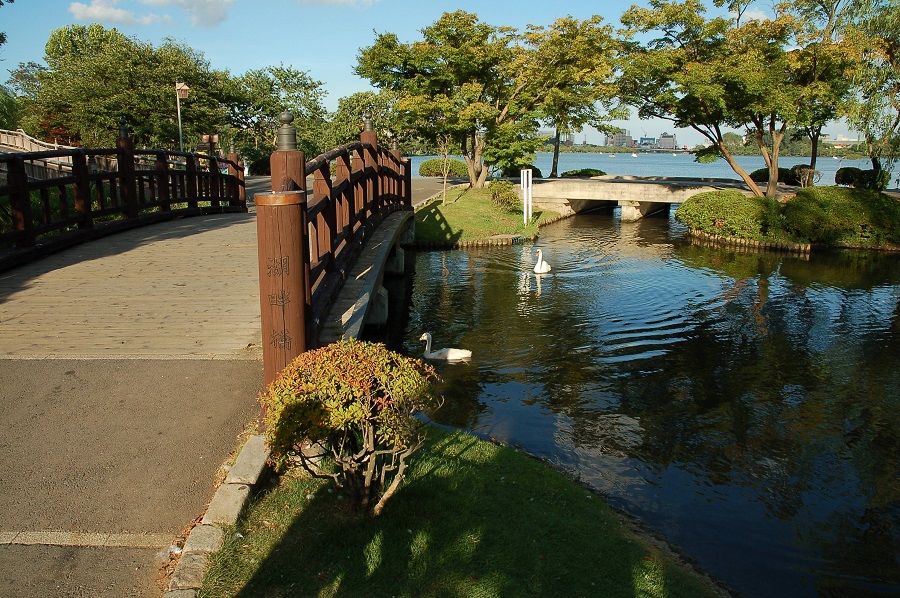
(472, 518)
(824, 216)
(473, 215)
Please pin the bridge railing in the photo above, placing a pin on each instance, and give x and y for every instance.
(309, 238)
(22, 141)
(54, 199)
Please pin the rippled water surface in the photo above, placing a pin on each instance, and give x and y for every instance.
(746, 407)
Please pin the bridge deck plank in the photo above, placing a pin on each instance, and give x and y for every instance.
(188, 289)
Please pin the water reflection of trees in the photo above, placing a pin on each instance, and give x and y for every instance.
(785, 388)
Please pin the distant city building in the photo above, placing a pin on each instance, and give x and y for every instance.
(621, 139)
(840, 142)
(667, 141)
(647, 142)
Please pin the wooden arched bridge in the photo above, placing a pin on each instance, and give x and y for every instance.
(308, 239)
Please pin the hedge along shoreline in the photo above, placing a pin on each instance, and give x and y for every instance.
(700, 237)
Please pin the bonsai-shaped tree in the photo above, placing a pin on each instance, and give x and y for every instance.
(355, 401)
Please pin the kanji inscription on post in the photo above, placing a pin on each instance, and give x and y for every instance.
(281, 298)
(280, 339)
(278, 266)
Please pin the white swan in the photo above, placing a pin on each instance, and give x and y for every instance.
(541, 267)
(447, 354)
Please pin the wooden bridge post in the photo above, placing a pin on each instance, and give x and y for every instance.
(282, 231)
(288, 167)
(370, 161)
(82, 190)
(20, 202)
(238, 193)
(190, 168)
(162, 181)
(125, 158)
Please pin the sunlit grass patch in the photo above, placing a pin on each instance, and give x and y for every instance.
(472, 519)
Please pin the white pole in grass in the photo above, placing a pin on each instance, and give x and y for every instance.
(527, 195)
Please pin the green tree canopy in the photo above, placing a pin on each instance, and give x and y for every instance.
(95, 76)
(261, 95)
(479, 85)
(876, 110)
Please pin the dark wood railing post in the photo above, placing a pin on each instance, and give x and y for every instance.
(125, 158)
(237, 194)
(370, 160)
(82, 189)
(215, 181)
(20, 202)
(407, 183)
(282, 231)
(190, 169)
(162, 181)
(342, 181)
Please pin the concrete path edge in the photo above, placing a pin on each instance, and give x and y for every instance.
(226, 506)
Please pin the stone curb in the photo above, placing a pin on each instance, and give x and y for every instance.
(224, 509)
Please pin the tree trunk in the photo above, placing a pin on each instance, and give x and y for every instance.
(555, 155)
(814, 152)
(477, 170)
(751, 184)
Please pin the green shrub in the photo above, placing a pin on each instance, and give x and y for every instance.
(832, 215)
(786, 176)
(356, 402)
(846, 175)
(730, 214)
(582, 173)
(432, 167)
(862, 179)
(516, 171)
(505, 196)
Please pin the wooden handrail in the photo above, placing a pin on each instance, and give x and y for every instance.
(53, 199)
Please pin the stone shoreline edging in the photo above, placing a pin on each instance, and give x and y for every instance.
(226, 506)
(801, 249)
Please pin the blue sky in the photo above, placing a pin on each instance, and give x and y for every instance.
(319, 36)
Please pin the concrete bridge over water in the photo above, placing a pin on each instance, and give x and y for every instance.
(635, 196)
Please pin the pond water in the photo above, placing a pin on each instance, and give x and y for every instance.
(744, 406)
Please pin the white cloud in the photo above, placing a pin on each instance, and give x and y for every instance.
(753, 15)
(107, 11)
(206, 13)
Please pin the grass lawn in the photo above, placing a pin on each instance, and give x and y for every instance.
(470, 215)
(471, 519)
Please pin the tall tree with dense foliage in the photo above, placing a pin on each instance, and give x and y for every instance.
(261, 95)
(481, 85)
(681, 75)
(347, 121)
(95, 76)
(876, 111)
(761, 75)
(576, 60)
(825, 62)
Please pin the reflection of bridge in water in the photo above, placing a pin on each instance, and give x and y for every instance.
(636, 196)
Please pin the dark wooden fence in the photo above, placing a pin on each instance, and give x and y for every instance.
(54, 199)
(308, 239)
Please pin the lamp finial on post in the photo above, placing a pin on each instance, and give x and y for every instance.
(123, 128)
(286, 139)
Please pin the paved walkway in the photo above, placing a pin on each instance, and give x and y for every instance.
(129, 367)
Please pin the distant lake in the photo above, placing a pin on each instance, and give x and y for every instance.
(678, 165)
